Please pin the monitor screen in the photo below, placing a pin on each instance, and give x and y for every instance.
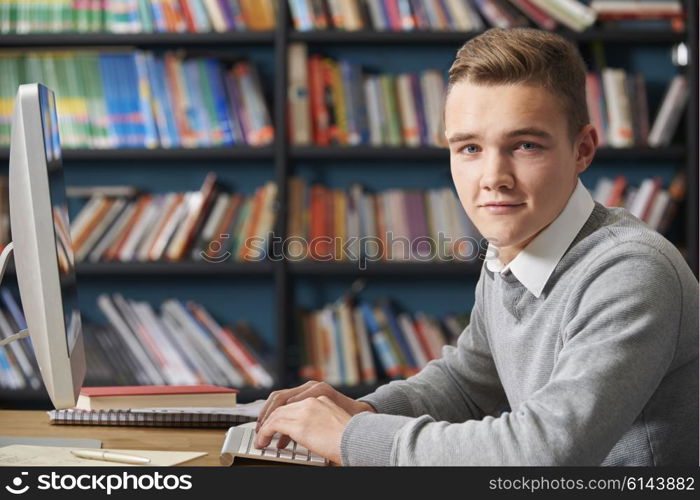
(64, 249)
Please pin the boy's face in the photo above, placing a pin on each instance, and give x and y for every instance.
(509, 144)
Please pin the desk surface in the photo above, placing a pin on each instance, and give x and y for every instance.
(36, 424)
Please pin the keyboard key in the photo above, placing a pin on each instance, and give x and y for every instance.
(316, 458)
(287, 452)
(301, 453)
(255, 451)
(271, 449)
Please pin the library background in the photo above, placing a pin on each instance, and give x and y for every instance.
(191, 125)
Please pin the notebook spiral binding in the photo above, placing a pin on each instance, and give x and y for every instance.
(141, 419)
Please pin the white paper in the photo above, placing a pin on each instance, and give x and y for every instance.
(24, 455)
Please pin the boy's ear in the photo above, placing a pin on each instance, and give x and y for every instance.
(586, 145)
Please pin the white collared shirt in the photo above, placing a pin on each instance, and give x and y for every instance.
(535, 263)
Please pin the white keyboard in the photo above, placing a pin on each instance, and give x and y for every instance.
(239, 443)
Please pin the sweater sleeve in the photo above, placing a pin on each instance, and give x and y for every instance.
(462, 384)
(619, 338)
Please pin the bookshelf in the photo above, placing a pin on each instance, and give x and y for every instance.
(292, 282)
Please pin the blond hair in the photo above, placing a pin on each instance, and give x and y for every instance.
(530, 56)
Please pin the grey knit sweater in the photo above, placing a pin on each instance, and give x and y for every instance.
(601, 369)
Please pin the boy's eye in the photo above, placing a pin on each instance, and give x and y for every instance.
(471, 149)
(528, 146)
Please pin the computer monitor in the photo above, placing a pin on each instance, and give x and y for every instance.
(42, 245)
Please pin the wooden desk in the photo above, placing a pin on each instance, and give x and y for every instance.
(36, 424)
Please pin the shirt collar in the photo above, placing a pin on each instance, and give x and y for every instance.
(536, 262)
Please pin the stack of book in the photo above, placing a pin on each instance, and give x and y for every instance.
(18, 366)
(649, 201)
(617, 106)
(391, 225)
(116, 99)
(355, 342)
(338, 103)
(180, 345)
(198, 225)
(122, 397)
(476, 15)
(137, 16)
(158, 406)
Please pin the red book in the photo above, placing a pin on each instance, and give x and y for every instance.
(233, 349)
(184, 237)
(245, 252)
(316, 222)
(650, 201)
(619, 186)
(423, 340)
(319, 111)
(330, 91)
(116, 248)
(596, 105)
(155, 396)
(392, 10)
(538, 16)
(188, 15)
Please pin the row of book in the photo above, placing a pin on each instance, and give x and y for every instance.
(339, 103)
(617, 106)
(116, 99)
(122, 224)
(199, 225)
(200, 16)
(476, 15)
(649, 201)
(431, 225)
(335, 102)
(137, 16)
(138, 99)
(179, 344)
(353, 342)
(391, 225)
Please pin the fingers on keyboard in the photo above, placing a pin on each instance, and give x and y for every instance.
(293, 451)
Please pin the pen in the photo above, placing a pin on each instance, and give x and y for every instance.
(110, 456)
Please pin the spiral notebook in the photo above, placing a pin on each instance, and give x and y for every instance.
(160, 417)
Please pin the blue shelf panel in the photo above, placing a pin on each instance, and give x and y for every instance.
(228, 299)
(430, 294)
(409, 270)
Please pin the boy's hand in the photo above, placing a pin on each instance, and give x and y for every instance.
(315, 423)
(311, 389)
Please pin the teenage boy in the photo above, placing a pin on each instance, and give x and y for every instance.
(585, 322)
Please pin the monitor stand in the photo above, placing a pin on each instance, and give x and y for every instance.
(4, 259)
